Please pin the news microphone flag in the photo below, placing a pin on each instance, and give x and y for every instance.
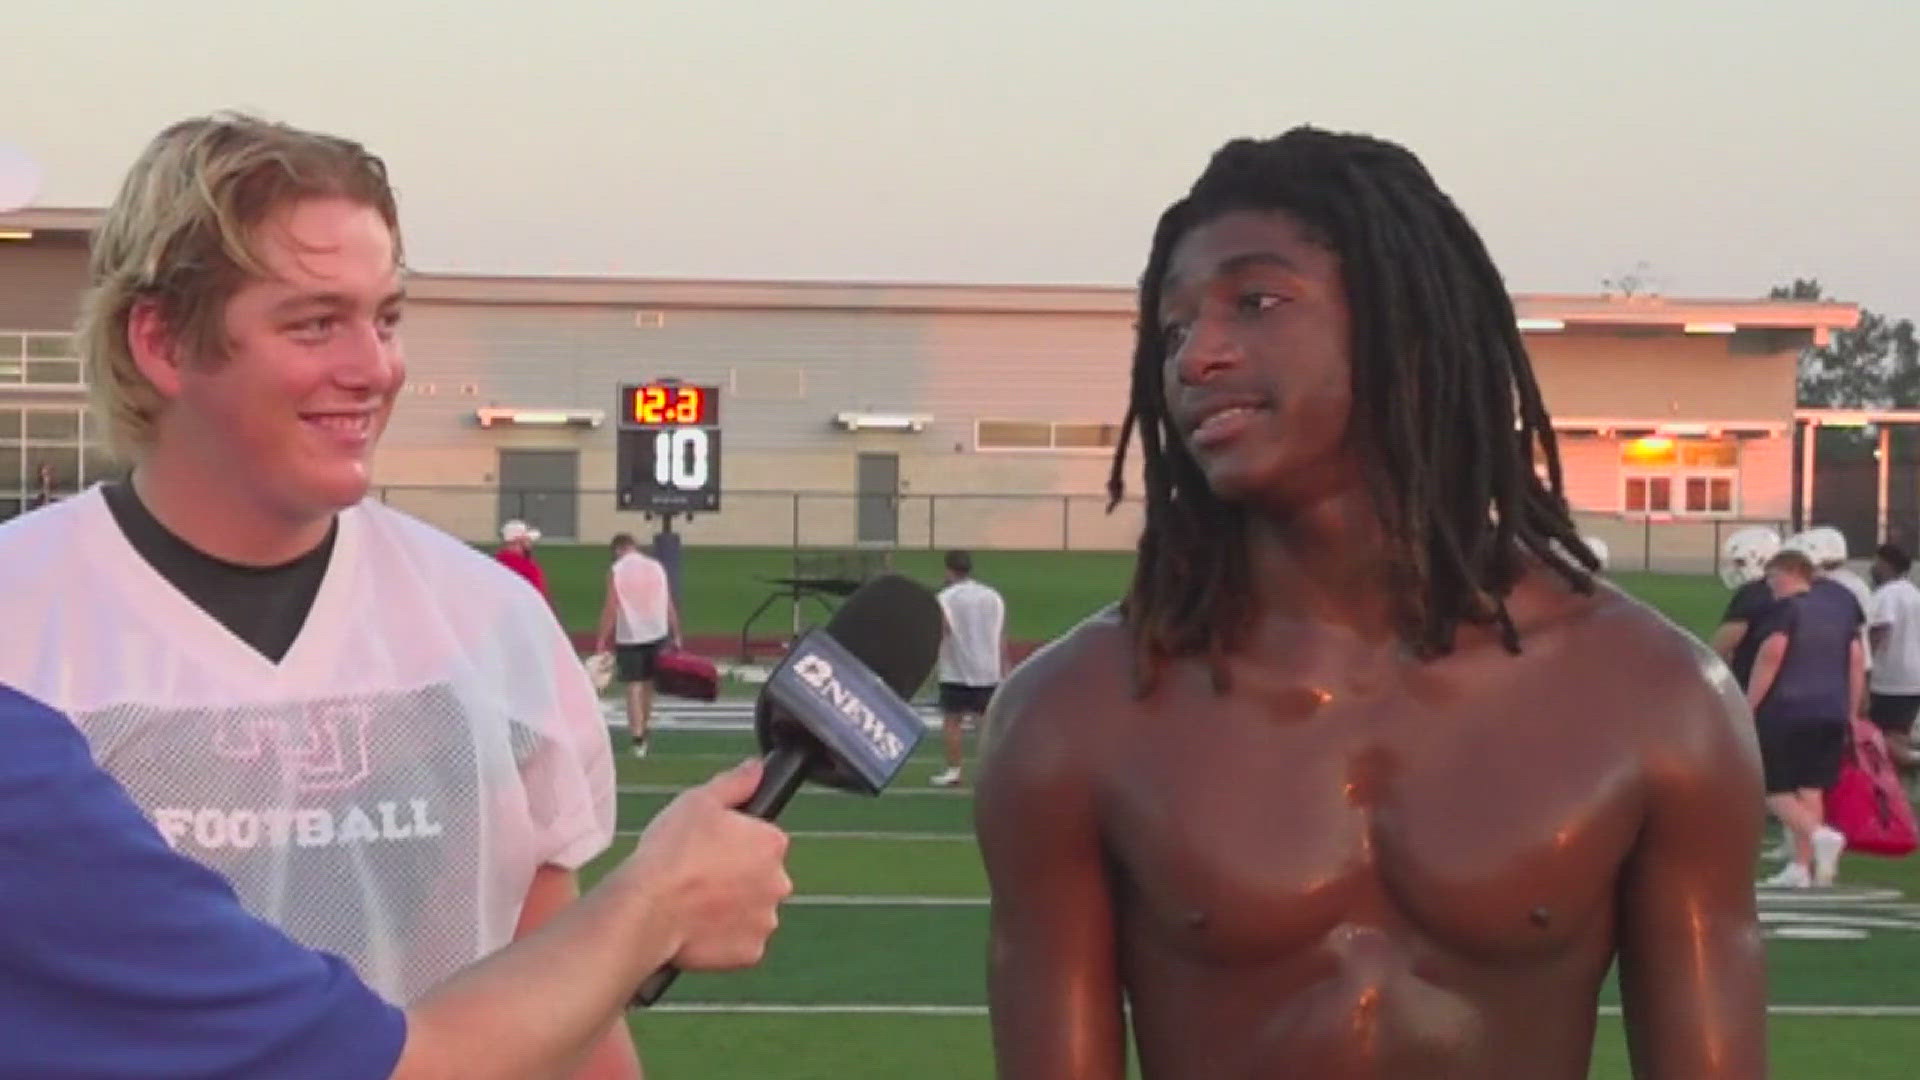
(823, 693)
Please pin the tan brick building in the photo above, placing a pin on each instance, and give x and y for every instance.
(880, 414)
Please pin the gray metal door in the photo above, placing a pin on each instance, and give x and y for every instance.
(540, 487)
(879, 516)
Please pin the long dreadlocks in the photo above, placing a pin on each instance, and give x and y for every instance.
(1438, 375)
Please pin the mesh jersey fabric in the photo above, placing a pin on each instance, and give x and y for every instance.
(119, 958)
(386, 791)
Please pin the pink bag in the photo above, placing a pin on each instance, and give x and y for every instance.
(1867, 804)
(684, 674)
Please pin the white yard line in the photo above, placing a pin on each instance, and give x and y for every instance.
(890, 793)
(927, 757)
(745, 1008)
(804, 1010)
(832, 834)
(831, 900)
(723, 720)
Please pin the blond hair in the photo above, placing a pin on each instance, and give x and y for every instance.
(181, 235)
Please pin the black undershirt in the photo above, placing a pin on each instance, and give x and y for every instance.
(264, 606)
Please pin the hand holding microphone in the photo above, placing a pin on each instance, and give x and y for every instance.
(835, 712)
(718, 874)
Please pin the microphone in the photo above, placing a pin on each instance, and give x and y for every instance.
(835, 710)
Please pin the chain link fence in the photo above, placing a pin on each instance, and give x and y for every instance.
(791, 519)
(1668, 545)
(1028, 522)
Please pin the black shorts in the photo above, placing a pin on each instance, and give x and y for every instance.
(1893, 712)
(1796, 756)
(634, 663)
(960, 700)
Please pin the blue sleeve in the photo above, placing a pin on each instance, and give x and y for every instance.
(122, 958)
(1782, 619)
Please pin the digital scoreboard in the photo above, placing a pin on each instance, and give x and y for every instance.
(668, 456)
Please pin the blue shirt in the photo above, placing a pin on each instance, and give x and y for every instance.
(1812, 686)
(122, 958)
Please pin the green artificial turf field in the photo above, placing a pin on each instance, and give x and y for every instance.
(878, 969)
(1046, 591)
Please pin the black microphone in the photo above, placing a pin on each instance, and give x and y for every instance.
(835, 710)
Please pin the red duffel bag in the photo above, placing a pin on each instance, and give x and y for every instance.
(1867, 804)
(683, 674)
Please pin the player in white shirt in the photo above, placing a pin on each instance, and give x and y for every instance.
(376, 733)
(638, 620)
(1893, 620)
(973, 652)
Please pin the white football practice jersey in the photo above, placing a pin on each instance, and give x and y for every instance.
(387, 790)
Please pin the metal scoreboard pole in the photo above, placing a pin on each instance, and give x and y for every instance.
(668, 458)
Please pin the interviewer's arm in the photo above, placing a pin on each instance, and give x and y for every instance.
(613, 1056)
(696, 891)
(484, 1023)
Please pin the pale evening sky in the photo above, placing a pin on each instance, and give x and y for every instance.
(1730, 144)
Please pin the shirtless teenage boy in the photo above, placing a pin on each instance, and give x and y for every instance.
(1368, 776)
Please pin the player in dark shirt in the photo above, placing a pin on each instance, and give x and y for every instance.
(1807, 679)
(1738, 639)
(1743, 568)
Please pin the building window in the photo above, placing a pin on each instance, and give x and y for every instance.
(1649, 495)
(1012, 435)
(1681, 477)
(48, 450)
(1042, 435)
(37, 359)
(1086, 436)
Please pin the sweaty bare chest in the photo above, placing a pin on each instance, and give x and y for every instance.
(1480, 828)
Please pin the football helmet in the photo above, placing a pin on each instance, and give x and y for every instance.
(1744, 555)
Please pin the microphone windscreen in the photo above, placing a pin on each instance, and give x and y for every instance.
(892, 625)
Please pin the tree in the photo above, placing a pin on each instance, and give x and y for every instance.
(1874, 365)
(1639, 281)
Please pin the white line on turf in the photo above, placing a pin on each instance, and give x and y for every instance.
(980, 1010)
(722, 719)
(927, 756)
(830, 900)
(834, 834)
(801, 1010)
(891, 793)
